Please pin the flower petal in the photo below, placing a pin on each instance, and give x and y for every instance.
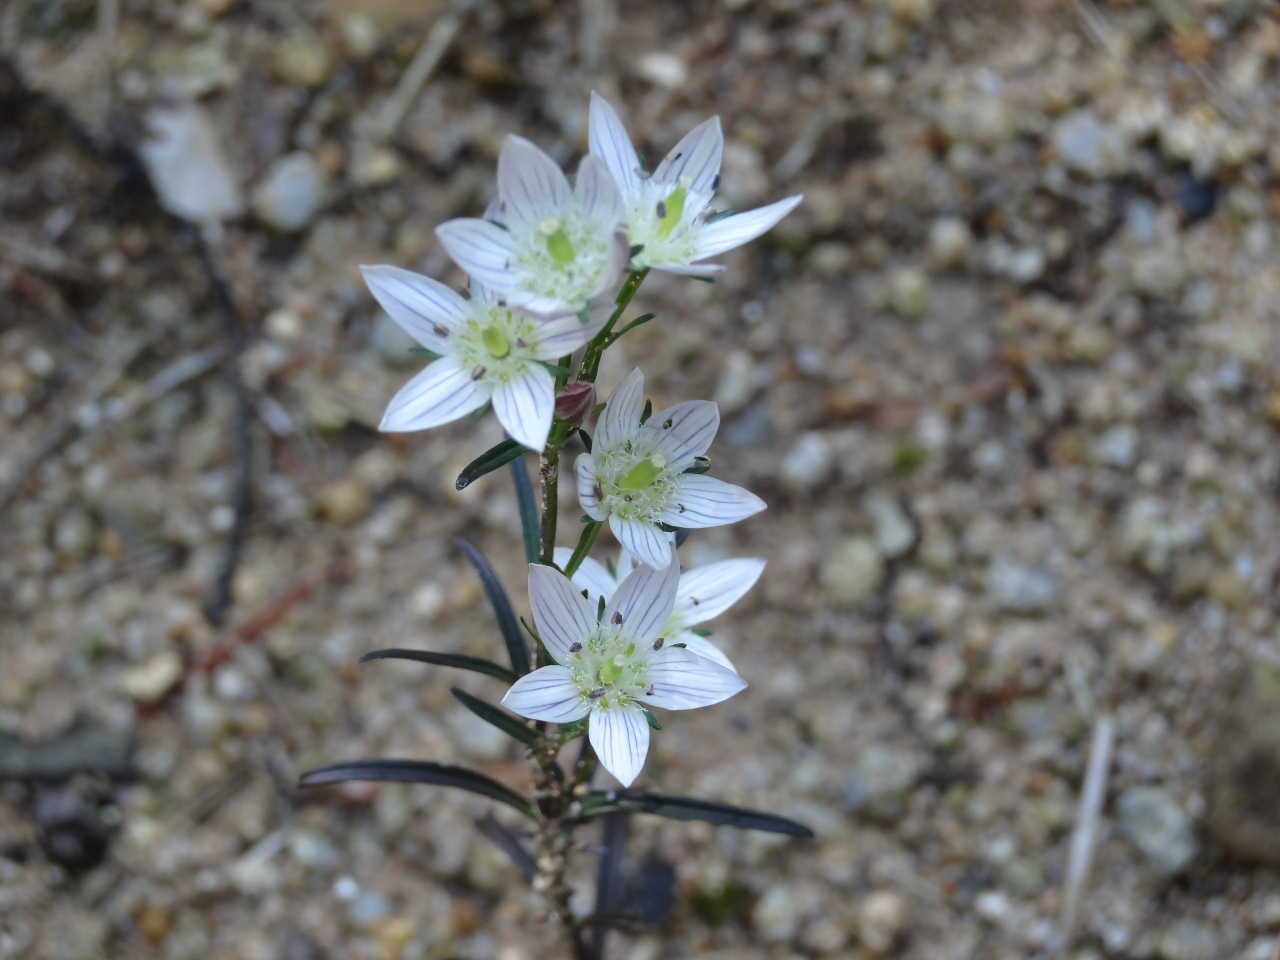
(585, 468)
(525, 404)
(620, 737)
(733, 231)
(425, 309)
(532, 185)
(591, 576)
(597, 193)
(697, 156)
(642, 604)
(561, 336)
(709, 591)
(626, 563)
(560, 612)
(547, 694)
(441, 393)
(609, 141)
(681, 680)
(621, 415)
(704, 648)
(646, 543)
(704, 270)
(483, 249)
(702, 501)
(684, 431)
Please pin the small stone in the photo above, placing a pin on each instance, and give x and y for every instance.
(1087, 145)
(808, 463)
(1016, 588)
(1118, 447)
(736, 385)
(1155, 824)
(345, 502)
(312, 850)
(878, 783)
(950, 241)
(151, 680)
(1189, 940)
(187, 166)
(74, 535)
(776, 915)
(374, 166)
(852, 572)
(913, 12)
(368, 907)
(909, 293)
(881, 920)
(894, 531)
(290, 194)
(302, 59)
(664, 69)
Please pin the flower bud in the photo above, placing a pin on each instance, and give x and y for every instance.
(575, 401)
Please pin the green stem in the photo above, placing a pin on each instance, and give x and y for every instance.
(595, 349)
(585, 542)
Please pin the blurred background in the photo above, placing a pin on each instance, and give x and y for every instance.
(1007, 378)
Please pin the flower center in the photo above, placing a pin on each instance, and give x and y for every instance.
(495, 341)
(558, 243)
(610, 670)
(643, 473)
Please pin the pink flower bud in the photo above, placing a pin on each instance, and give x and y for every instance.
(575, 401)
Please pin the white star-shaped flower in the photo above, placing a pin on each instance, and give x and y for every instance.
(667, 213)
(607, 668)
(704, 592)
(552, 249)
(487, 352)
(635, 475)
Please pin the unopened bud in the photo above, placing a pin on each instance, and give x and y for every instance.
(575, 401)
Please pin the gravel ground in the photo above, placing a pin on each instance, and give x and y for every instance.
(1006, 378)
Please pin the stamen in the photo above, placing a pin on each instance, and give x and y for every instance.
(478, 372)
(671, 211)
(440, 329)
(597, 693)
(575, 647)
(657, 644)
(617, 616)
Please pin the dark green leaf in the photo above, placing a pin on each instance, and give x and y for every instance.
(585, 542)
(500, 719)
(494, 458)
(417, 771)
(516, 649)
(444, 660)
(652, 720)
(423, 351)
(600, 802)
(508, 843)
(586, 439)
(528, 508)
(701, 631)
(700, 465)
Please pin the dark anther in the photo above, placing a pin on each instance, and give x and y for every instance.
(597, 693)
(680, 507)
(677, 156)
(520, 342)
(617, 616)
(650, 692)
(657, 644)
(695, 601)
(627, 498)
(666, 424)
(477, 373)
(662, 210)
(597, 492)
(575, 647)
(440, 329)
(715, 184)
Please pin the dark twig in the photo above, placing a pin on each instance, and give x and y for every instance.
(613, 838)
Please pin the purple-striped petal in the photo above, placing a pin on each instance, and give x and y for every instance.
(620, 737)
(441, 393)
(597, 193)
(563, 617)
(525, 404)
(685, 431)
(532, 186)
(547, 694)
(585, 469)
(697, 156)
(646, 543)
(702, 501)
(561, 336)
(609, 141)
(733, 231)
(483, 249)
(425, 309)
(621, 414)
(700, 645)
(641, 606)
(681, 680)
(709, 591)
(591, 576)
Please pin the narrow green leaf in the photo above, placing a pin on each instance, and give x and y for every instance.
(599, 802)
(647, 412)
(494, 458)
(424, 352)
(417, 771)
(506, 617)
(500, 719)
(652, 720)
(457, 660)
(585, 542)
(528, 508)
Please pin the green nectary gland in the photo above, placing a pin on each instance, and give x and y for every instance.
(671, 210)
(610, 670)
(656, 221)
(495, 344)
